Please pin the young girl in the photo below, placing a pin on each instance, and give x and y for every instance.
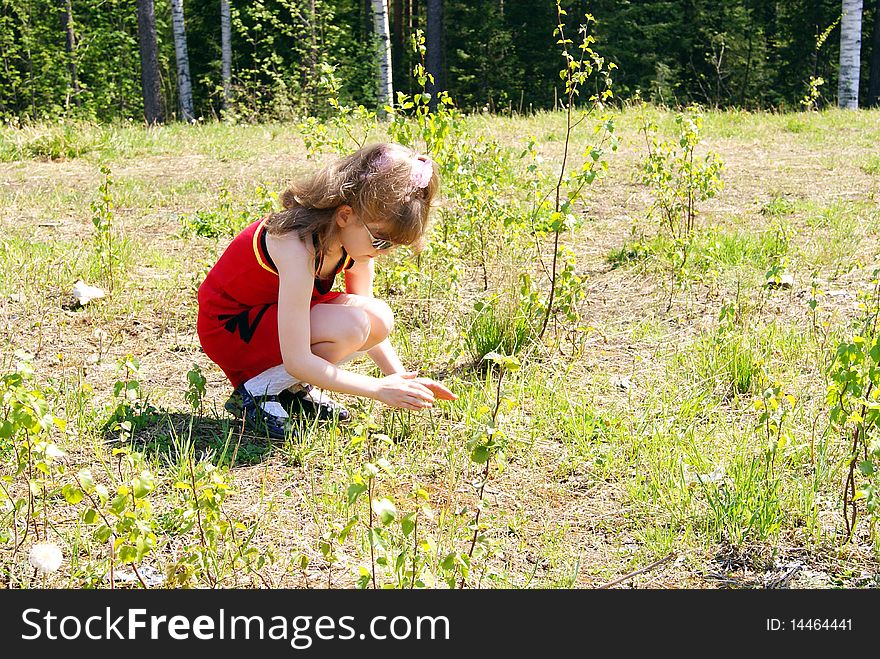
(267, 315)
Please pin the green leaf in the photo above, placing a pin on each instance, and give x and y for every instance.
(354, 491)
(90, 516)
(84, 476)
(408, 523)
(866, 467)
(450, 561)
(118, 504)
(343, 534)
(480, 454)
(103, 533)
(127, 554)
(385, 510)
(72, 494)
(143, 485)
(506, 362)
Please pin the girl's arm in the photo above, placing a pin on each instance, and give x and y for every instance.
(359, 278)
(296, 280)
(359, 281)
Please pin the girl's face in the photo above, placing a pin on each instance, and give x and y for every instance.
(360, 240)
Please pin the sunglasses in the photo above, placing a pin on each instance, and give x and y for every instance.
(377, 243)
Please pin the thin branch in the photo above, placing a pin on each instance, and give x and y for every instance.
(647, 568)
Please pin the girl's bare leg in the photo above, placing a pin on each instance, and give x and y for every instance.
(349, 324)
(342, 329)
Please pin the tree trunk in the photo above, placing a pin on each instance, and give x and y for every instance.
(310, 72)
(398, 28)
(313, 39)
(70, 48)
(874, 77)
(413, 24)
(380, 27)
(850, 54)
(184, 82)
(434, 47)
(398, 55)
(226, 49)
(413, 16)
(149, 62)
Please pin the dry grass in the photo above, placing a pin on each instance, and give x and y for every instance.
(557, 522)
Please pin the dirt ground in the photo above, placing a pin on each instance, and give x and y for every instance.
(588, 524)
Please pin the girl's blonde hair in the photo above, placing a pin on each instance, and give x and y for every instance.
(380, 185)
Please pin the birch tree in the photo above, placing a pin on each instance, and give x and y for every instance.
(184, 82)
(381, 30)
(850, 54)
(70, 49)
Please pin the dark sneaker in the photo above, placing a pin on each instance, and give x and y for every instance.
(252, 409)
(307, 402)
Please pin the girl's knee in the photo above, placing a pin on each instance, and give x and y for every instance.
(359, 327)
(381, 319)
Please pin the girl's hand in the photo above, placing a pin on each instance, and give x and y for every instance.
(406, 391)
(438, 389)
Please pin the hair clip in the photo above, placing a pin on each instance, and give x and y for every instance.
(422, 172)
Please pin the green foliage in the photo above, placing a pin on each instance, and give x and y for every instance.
(285, 46)
(400, 551)
(413, 121)
(130, 411)
(810, 101)
(37, 83)
(36, 468)
(229, 218)
(347, 127)
(120, 514)
(720, 53)
(195, 392)
(679, 181)
(739, 356)
(497, 58)
(745, 504)
(102, 219)
(214, 547)
(558, 217)
(61, 141)
(501, 323)
(487, 446)
(853, 397)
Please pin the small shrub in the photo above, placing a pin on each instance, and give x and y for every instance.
(498, 324)
(228, 219)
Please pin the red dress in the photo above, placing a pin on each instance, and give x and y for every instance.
(238, 306)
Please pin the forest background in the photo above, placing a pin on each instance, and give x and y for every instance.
(81, 58)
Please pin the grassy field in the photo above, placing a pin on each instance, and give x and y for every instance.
(629, 437)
